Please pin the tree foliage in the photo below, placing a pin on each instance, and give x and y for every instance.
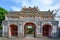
(2, 14)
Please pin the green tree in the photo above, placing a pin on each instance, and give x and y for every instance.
(2, 15)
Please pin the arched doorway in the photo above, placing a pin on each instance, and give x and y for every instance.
(30, 30)
(46, 30)
(13, 30)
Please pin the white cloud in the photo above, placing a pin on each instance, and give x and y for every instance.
(37, 2)
(55, 7)
(25, 3)
(42, 4)
(13, 8)
(47, 2)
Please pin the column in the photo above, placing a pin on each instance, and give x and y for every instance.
(3, 31)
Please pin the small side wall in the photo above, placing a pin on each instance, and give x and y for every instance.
(6, 24)
(19, 25)
(5, 28)
(54, 32)
(54, 29)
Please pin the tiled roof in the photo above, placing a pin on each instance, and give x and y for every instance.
(29, 12)
(45, 13)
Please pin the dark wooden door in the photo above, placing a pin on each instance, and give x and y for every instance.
(14, 30)
(46, 30)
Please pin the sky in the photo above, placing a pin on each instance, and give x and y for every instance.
(16, 5)
(43, 5)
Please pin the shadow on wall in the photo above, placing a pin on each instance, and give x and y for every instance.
(59, 32)
(0, 32)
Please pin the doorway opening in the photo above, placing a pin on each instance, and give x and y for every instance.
(29, 30)
(13, 30)
(46, 30)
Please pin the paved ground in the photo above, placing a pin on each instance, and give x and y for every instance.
(43, 38)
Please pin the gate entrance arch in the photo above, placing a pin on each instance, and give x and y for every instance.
(13, 30)
(29, 28)
(46, 30)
